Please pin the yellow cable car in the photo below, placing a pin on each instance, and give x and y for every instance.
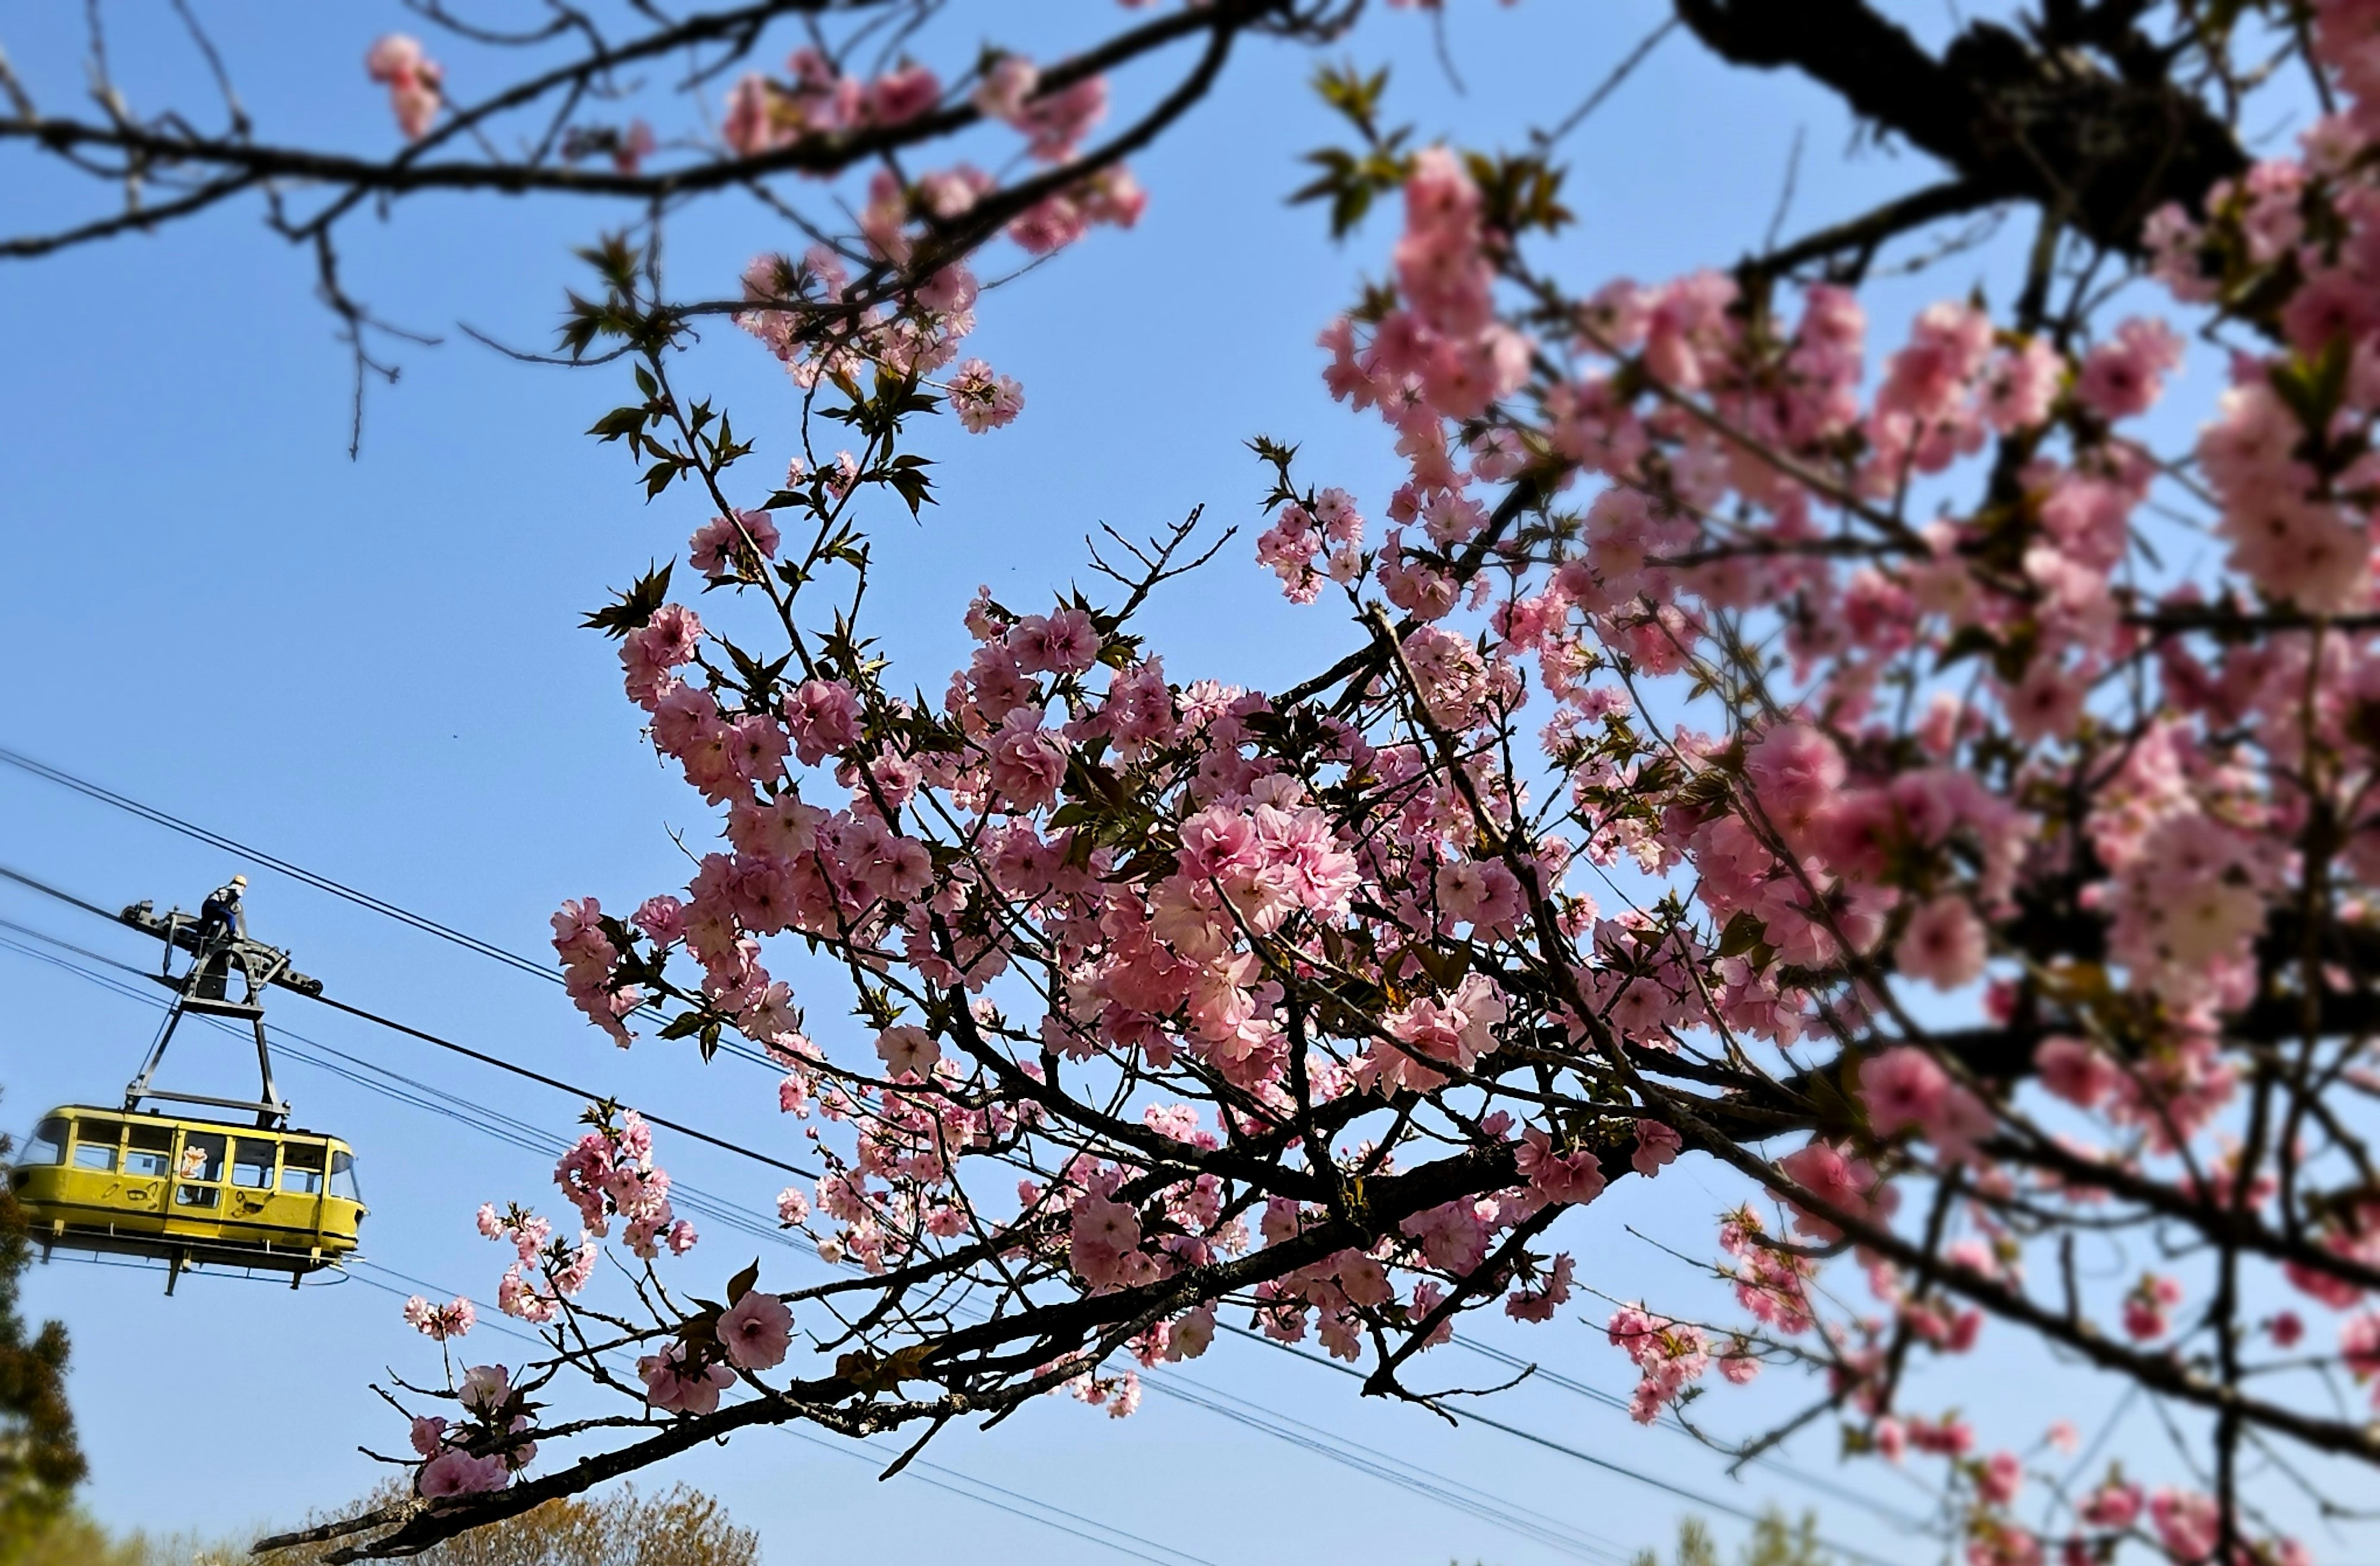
(194, 1192)
(188, 1192)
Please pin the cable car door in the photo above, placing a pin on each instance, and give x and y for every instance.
(252, 1159)
(148, 1161)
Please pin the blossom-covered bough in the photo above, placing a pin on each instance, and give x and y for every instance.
(1904, 780)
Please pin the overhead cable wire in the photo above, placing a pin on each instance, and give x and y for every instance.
(1844, 1493)
(366, 1014)
(49, 890)
(1397, 1471)
(400, 1088)
(410, 1031)
(1550, 1444)
(485, 948)
(296, 872)
(300, 873)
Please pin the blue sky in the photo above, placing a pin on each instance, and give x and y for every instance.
(372, 668)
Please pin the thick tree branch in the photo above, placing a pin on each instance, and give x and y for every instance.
(2016, 121)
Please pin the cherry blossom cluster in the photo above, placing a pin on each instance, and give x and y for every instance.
(610, 1174)
(413, 79)
(544, 1271)
(486, 1448)
(815, 98)
(826, 325)
(440, 1322)
(752, 1334)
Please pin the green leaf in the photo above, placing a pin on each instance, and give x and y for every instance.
(620, 421)
(1967, 641)
(683, 1026)
(2313, 387)
(906, 475)
(741, 1284)
(632, 609)
(1743, 933)
(1355, 96)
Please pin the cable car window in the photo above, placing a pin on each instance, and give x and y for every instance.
(251, 1163)
(301, 1169)
(48, 1143)
(342, 1177)
(202, 1153)
(152, 1152)
(203, 1159)
(93, 1154)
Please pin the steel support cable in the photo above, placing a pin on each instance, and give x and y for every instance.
(485, 948)
(407, 1090)
(1550, 1444)
(682, 1130)
(46, 890)
(321, 883)
(366, 1014)
(1411, 1476)
(1844, 1493)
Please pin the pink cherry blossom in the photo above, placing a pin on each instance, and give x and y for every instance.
(2187, 1522)
(2122, 377)
(454, 1472)
(724, 546)
(1558, 1177)
(907, 1049)
(1944, 944)
(2075, 1071)
(1657, 1146)
(412, 80)
(983, 399)
(1904, 1088)
(754, 1331)
(675, 1385)
(440, 1322)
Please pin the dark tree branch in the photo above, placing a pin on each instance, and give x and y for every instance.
(2016, 122)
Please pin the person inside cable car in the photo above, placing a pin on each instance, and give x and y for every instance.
(221, 920)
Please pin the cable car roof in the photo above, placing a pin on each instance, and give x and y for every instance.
(243, 1128)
